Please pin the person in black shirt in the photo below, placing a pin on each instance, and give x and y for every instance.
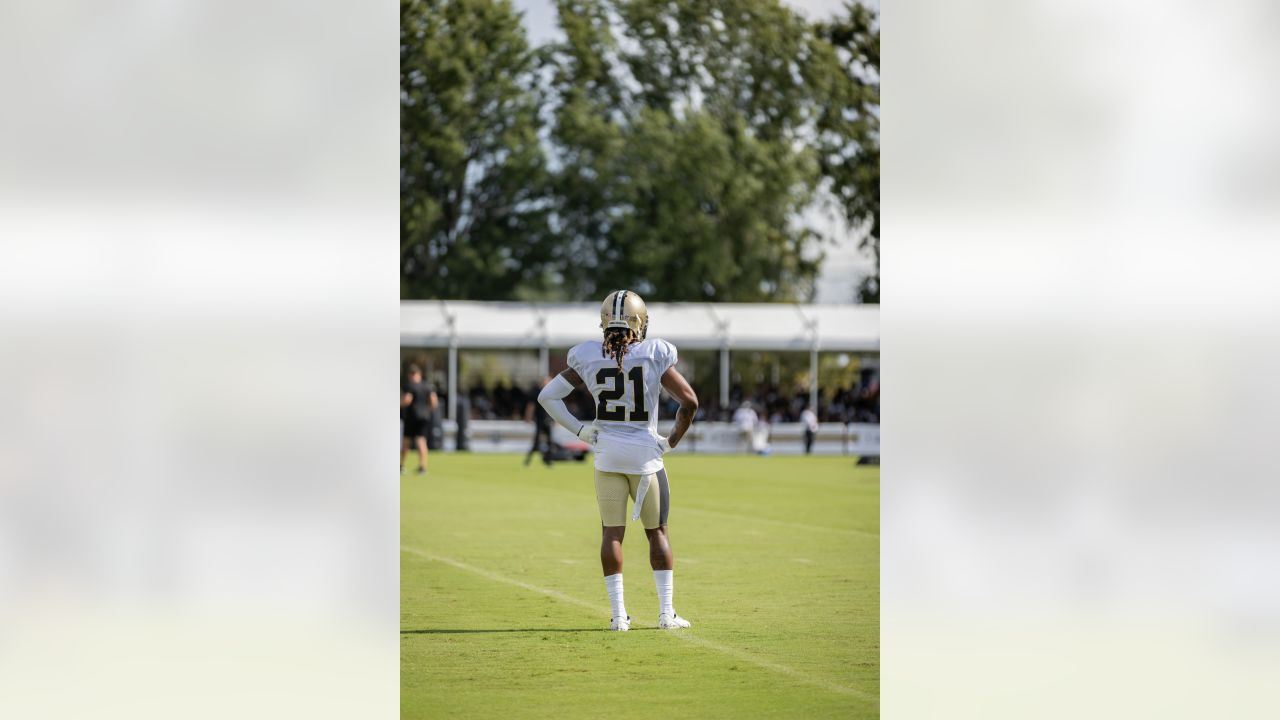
(417, 401)
(541, 426)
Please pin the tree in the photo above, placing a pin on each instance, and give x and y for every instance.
(672, 148)
(849, 124)
(678, 133)
(472, 173)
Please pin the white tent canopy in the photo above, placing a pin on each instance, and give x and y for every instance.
(695, 326)
(691, 326)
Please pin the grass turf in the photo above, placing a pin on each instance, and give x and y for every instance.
(503, 610)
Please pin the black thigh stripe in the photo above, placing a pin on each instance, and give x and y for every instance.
(664, 497)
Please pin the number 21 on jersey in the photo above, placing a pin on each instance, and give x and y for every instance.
(617, 387)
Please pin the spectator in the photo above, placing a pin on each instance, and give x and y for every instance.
(541, 427)
(745, 419)
(810, 421)
(417, 401)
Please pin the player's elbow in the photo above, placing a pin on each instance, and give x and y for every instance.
(553, 391)
(690, 403)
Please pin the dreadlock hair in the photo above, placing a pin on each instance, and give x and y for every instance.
(616, 343)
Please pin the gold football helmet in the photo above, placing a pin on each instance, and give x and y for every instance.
(625, 309)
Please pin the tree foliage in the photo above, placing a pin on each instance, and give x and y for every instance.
(681, 162)
(849, 127)
(680, 144)
(472, 174)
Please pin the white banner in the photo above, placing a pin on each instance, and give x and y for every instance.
(511, 436)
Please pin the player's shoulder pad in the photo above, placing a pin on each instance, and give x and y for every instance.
(664, 350)
(583, 351)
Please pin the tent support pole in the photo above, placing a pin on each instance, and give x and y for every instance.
(453, 368)
(813, 378)
(724, 378)
(453, 380)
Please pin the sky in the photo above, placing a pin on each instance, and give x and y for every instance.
(540, 15)
(844, 263)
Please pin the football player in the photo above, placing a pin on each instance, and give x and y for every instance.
(624, 372)
(418, 401)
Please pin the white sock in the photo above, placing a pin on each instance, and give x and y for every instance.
(613, 583)
(665, 581)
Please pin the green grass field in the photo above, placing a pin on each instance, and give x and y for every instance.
(503, 609)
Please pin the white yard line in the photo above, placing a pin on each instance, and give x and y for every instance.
(502, 578)
(682, 635)
(768, 665)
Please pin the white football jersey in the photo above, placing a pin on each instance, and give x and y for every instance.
(626, 402)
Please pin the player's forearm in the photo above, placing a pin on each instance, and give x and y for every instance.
(552, 400)
(684, 418)
(560, 413)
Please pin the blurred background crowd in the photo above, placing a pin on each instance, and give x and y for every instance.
(856, 403)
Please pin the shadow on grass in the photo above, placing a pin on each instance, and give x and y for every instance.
(451, 631)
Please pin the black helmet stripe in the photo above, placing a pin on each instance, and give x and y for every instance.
(617, 303)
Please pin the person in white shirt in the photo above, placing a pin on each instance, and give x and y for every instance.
(625, 372)
(745, 419)
(810, 421)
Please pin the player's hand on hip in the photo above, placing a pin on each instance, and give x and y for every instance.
(664, 444)
(588, 434)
